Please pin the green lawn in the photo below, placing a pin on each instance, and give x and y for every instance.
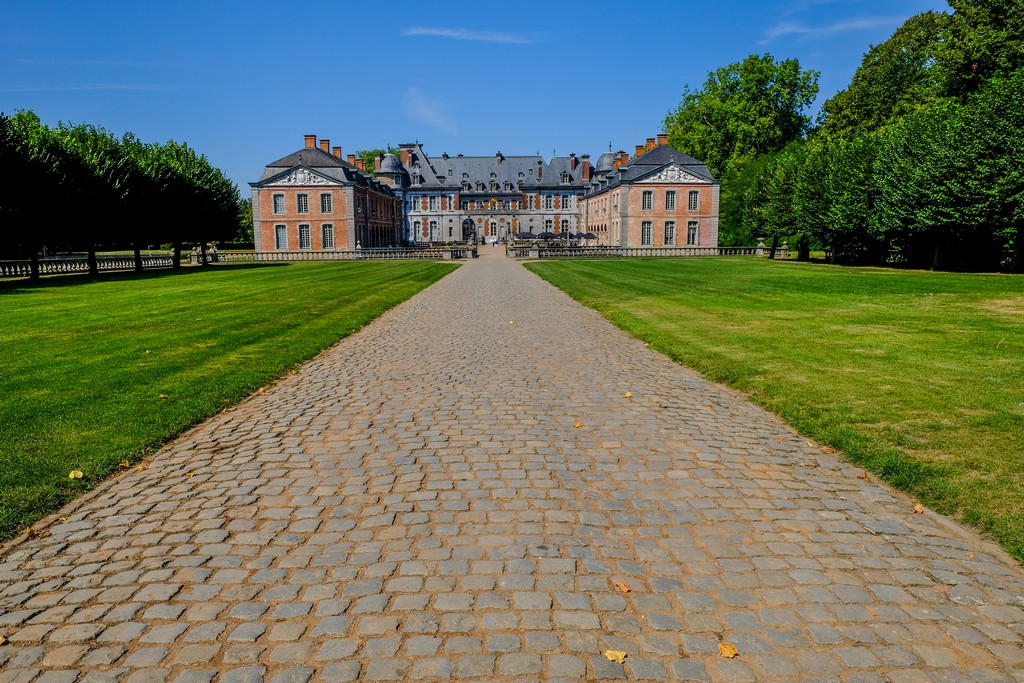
(85, 363)
(918, 376)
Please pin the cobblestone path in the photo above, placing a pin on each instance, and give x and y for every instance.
(422, 503)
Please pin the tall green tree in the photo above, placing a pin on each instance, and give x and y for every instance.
(895, 78)
(369, 157)
(985, 38)
(743, 110)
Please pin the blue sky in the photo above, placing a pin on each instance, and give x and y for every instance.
(242, 82)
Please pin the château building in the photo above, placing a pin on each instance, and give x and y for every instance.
(660, 197)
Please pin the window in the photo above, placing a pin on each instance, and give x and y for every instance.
(304, 242)
(328, 236)
(433, 203)
(281, 237)
(691, 232)
(494, 229)
(694, 200)
(279, 203)
(302, 203)
(670, 200)
(326, 203)
(565, 225)
(566, 178)
(415, 227)
(670, 232)
(549, 202)
(648, 201)
(565, 201)
(645, 232)
(433, 230)
(548, 225)
(529, 201)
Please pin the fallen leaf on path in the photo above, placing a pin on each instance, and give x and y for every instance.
(827, 449)
(617, 656)
(970, 556)
(646, 344)
(140, 468)
(75, 474)
(623, 586)
(628, 394)
(38, 533)
(811, 444)
(63, 519)
(918, 509)
(190, 474)
(511, 322)
(124, 464)
(727, 650)
(2, 640)
(578, 425)
(863, 475)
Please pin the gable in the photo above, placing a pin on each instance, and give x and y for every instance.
(672, 174)
(299, 177)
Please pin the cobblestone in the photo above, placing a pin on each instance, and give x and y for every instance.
(417, 503)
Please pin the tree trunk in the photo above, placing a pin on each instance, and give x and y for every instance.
(803, 248)
(176, 256)
(937, 257)
(138, 260)
(834, 260)
(202, 256)
(34, 265)
(94, 266)
(1017, 262)
(775, 245)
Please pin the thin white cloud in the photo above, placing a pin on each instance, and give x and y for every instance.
(794, 28)
(84, 86)
(469, 34)
(419, 107)
(89, 62)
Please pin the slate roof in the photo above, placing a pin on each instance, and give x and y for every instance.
(649, 162)
(325, 164)
(523, 172)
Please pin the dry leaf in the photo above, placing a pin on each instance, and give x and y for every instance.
(617, 656)
(124, 464)
(63, 519)
(38, 533)
(628, 394)
(75, 474)
(511, 322)
(140, 468)
(811, 444)
(863, 475)
(919, 508)
(970, 556)
(2, 640)
(727, 650)
(164, 396)
(827, 449)
(646, 344)
(578, 425)
(623, 586)
(190, 474)
(148, 351)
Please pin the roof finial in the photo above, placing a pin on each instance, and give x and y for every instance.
(609, 145)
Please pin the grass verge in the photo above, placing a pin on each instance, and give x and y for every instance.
(917, 376)
(97, 371)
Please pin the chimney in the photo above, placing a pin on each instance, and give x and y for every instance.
(617, 162)
(310, 141)
(498, 157)
(662, 138)
(639, 150)
(572, 160)
(337, 152)
(540, 169)
(405, 155)
(650, 145)
(325, 145)
(586, 168)
(360, 164)
(377, 159)
(352, 159)
(623, 158)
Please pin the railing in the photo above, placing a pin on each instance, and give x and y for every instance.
(452, 252)
(76, 264)
(527, 250)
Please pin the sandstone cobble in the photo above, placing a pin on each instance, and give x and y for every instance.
(490, 482)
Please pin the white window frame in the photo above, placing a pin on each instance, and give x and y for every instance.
(281, 237)
(693, 202)
(432, 203)
(565, 225)
(549, 225)
(670, 233)
(327, 236)
(646, 233)
(280, 206)
(549, 201)
(529, 201)
(565, 201)
(302, 203)
(670, 200)
(692, 233)
(326, 202)
(647, 201)
(433, 230)
(305, 236)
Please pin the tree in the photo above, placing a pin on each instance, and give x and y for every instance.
(849, 228)
(895, 78)
(770, 210)
(245, 234)
(744, 110)
(985, 38)
(369, 157)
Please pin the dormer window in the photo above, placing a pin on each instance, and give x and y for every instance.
(494, 175)
(566, 178)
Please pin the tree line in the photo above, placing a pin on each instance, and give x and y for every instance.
(80, 188)
(919, 160)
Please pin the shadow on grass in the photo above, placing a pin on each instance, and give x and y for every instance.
(71, 279)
